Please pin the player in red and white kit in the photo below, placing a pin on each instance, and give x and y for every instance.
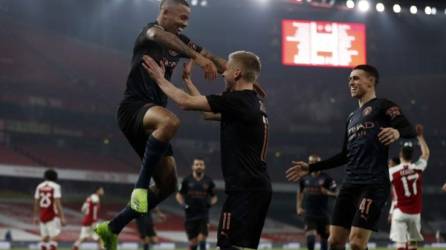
(90, 209)
(48, 210)
(407, 182)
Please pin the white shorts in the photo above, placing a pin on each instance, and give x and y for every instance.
(88, 232)
(50, 228)
(405, 227)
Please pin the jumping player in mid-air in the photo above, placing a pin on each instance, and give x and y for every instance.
(243, 140)
(143, 117)
(369, 131)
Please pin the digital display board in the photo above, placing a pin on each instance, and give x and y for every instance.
(324, 44)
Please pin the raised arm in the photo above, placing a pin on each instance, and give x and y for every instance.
(193, 90)
(181, 98)
(425, 152)
(172, 41)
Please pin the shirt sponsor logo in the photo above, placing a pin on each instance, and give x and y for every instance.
(360, 129)
(367, 111)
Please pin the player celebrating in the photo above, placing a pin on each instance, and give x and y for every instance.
(142, 115)
(90, 209)
(243, 140)
(312, 202)
(196, 195)
(369, 131)
(146, 228)
(407, 183)
(48, 210)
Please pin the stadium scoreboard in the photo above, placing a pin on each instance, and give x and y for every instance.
(324, 44)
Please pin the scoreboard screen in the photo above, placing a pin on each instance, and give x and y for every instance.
(323, 44)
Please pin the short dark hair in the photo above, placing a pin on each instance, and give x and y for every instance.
(371, 70)
(50, 175)
(407, 151)
(197, 159)
(183, 2)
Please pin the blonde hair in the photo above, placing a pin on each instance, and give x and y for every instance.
(250, 64)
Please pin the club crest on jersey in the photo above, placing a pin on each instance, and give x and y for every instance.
(367, 111)
(393, 112)
(192, 45)
(172, 52)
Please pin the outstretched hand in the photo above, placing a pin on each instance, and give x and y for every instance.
(155, 71)
(297, 171)
(209, 68)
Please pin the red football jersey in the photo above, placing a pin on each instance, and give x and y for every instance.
(45, 193)
(90, 208)
(407, 183)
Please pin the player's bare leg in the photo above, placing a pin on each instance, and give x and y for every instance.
(100, 244)
(53, 243)
(359, 237)
(401, 245)
(78, 243)
(44, 243)
(338, 238)
(412, 245)
(193, 243)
